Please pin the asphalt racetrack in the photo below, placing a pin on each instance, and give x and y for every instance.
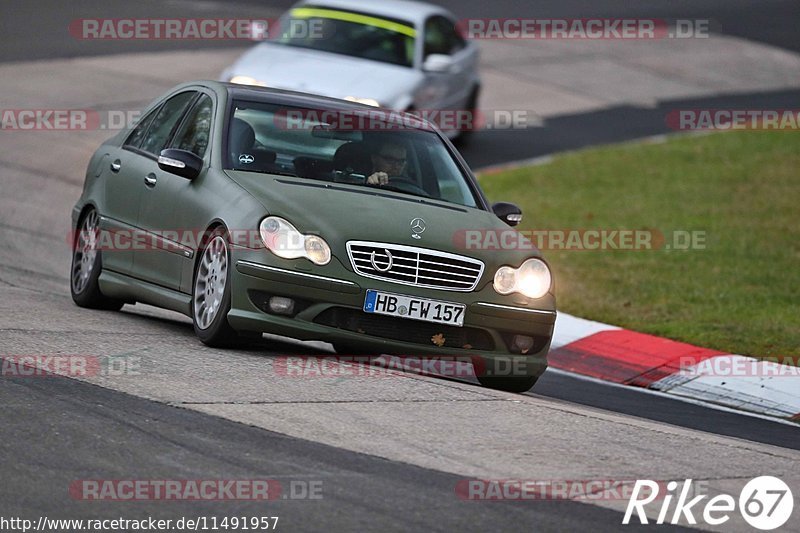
(388, 453)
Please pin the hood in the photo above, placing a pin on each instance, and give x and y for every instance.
(340, 213)
(327, 74)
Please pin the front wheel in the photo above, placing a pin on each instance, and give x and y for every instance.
(465, 135)
(86, 267)
(211, 293)
(509, 373)
(515, 384)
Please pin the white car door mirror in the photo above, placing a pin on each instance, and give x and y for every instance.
(438, 63)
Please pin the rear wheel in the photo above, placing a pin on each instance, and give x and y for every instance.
(211, 293)
(86, 266)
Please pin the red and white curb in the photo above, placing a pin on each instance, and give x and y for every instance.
(621, 356)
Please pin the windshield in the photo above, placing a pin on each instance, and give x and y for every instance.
(350, 33)
(367, 148)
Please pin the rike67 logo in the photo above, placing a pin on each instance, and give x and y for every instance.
(765, 503)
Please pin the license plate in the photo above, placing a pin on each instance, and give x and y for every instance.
(385, 303)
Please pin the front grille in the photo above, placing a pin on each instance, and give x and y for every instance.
(419, 267)
(402, 329)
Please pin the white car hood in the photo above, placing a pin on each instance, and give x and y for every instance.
(327, 74)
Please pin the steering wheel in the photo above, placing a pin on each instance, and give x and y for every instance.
(405, 184)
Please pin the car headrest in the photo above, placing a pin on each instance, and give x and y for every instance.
(311, 167)
(242, 137)
(353, 157)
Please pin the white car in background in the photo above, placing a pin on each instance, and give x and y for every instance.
(394, 54)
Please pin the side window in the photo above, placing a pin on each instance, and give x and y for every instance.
(441, 37)
(135, 138)
(194, 133)
(455, 41)
(164, 122)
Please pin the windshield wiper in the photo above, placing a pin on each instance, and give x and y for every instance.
(394, 188)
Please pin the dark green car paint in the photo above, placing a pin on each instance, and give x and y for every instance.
(116, 187)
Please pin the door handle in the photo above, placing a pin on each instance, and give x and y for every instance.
(150, 180)
(116, 165)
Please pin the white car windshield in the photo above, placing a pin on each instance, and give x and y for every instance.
(371, 148)
(349, 33)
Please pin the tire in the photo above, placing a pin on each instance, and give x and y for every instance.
(466, 136)
(211, 293)
(86, 266)
(516, 384)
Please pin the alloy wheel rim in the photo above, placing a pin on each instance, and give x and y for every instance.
(85, 253)
(209, 286)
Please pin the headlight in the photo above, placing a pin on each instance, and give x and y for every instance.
(317, 250)
(283, 240)
(531, 279)
(247, 80)
(505, 280)
(367, 101)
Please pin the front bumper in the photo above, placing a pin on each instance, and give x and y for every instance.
(329, 308)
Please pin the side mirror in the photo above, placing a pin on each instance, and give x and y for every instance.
(180, 162)
(508, 213)
(437, 63)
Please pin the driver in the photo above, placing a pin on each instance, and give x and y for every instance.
(388, 160)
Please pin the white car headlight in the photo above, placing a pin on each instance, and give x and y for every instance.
(283, 240)
(317, 250)
(505, 280)
(247, 80)
(367, 101)
(531, 279)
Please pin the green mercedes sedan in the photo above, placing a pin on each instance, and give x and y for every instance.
(253, 210)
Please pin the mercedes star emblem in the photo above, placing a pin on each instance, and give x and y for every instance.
(417, 227)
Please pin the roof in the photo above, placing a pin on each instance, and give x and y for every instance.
(284, 95)
(313, 101)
